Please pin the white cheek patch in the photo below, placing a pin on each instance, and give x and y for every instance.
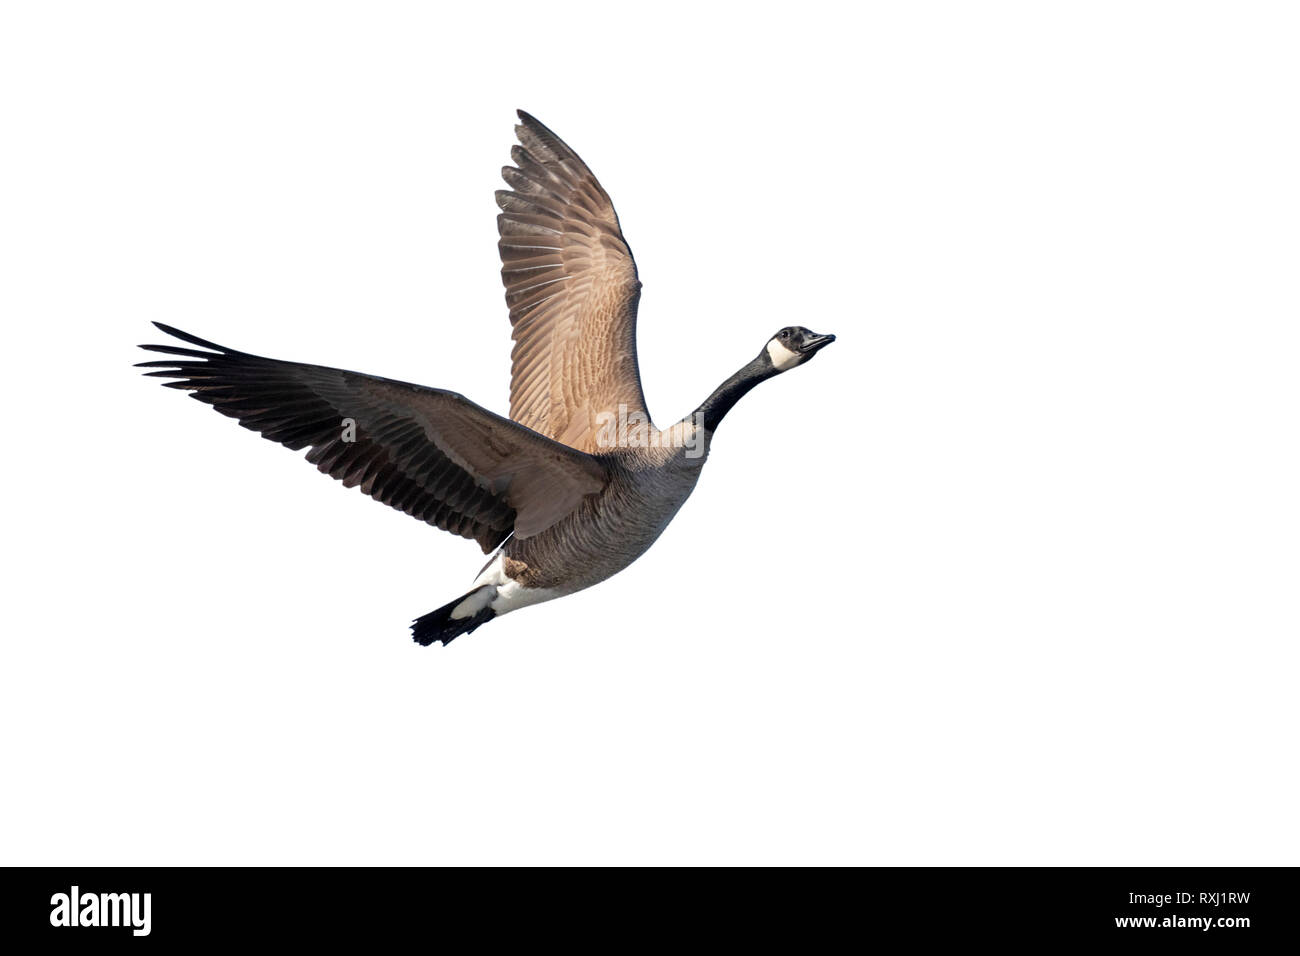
(781, 356)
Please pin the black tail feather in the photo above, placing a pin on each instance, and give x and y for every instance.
(439, 625)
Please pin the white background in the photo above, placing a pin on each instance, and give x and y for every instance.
(1008, 575)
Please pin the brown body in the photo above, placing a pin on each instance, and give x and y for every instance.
(608, 531)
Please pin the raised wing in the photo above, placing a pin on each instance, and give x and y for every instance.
(430, 453)
(572, 289)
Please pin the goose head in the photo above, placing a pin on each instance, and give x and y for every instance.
(794, 345)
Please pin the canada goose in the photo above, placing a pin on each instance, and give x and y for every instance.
(577, 483)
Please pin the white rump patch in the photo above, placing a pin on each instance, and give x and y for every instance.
(474, 602)
(512, 596)
(494, 589)
(781, 356)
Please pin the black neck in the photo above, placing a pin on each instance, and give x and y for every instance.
(726, 395)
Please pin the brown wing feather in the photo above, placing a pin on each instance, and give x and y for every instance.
(572, 288)
(430, 453)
